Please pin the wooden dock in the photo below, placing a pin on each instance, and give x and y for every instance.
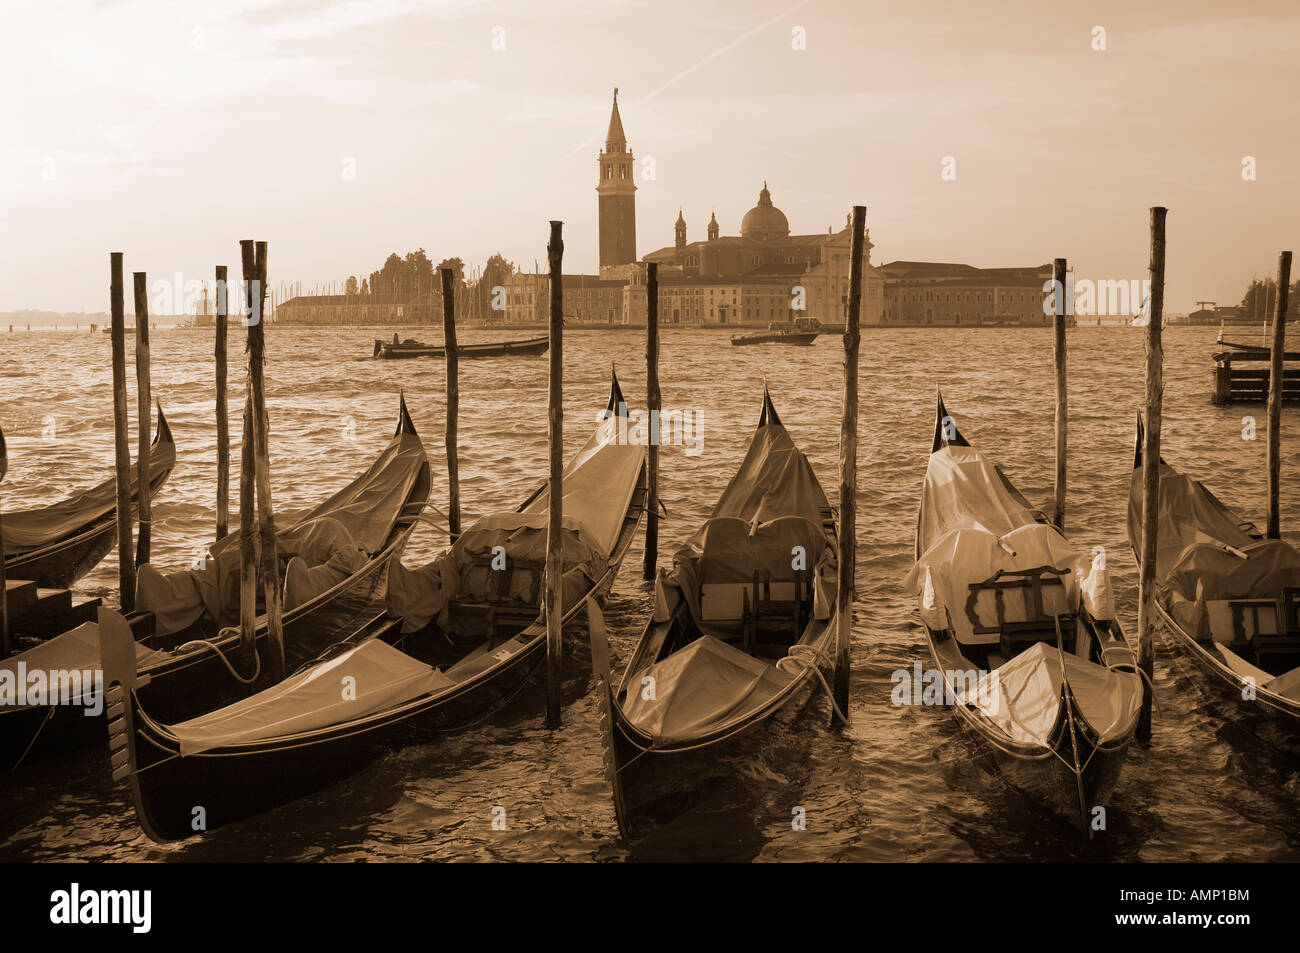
(1241, 374)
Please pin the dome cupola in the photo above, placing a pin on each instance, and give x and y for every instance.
(764, 222)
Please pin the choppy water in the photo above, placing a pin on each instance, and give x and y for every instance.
(900, 783)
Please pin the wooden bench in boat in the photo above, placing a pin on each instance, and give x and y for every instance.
(1267, 630)
(502, 612)
(752, 612)
(1038, 625)
(765, 614)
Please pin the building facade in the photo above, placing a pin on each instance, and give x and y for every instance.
(764, 274)
(919, 293)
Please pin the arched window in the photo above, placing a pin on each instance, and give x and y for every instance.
(609, 170)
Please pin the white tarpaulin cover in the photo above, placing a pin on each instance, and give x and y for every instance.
(700, 688)
(963, 490)
(25, 530)
(418, 595)
(772, 505)
(1188, 514)
(1028, 695)
(316, 698)
(943, 575)
(330, 542)
(598, 485)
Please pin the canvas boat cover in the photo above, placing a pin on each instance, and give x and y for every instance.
(1025, 696)
(1203, 549)
(361, 682)
(339, 534)
(1188, 514)
(942, 577)
(464, 572)
(74, 650)
(771, 506)
(964, 490)
(26, 530)
(701, 688)
(598, 486)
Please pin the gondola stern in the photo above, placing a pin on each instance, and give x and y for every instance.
(4, 455)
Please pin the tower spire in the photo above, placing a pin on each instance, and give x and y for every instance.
(617, 195)
(615, 140)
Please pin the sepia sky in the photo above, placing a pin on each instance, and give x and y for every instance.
(170, 130)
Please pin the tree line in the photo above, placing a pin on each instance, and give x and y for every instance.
(415, 276)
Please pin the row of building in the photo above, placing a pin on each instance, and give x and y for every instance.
(761, 276)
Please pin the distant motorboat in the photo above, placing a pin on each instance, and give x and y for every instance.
(800, 332)
(400, 349)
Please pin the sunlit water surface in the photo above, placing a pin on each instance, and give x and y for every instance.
(901, 783)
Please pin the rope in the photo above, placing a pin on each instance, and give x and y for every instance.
(818, 657)
(225, 661)
(49, 713)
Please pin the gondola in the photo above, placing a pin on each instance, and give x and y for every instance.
(460, 636)
(741, 625)
(1022, 631)
(56, 545)
(1229, 598)
(185, 629)
(527, 347)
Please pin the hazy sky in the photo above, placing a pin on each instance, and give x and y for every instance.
(170, 130)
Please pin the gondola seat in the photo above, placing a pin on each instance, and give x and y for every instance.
(1039, 601)
(767, 619)
(1277, 648)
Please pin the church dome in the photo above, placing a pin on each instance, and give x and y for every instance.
(764, 221)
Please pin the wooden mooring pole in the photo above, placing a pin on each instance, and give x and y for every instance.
(223, 421)
(654, 403)
(453, 399)
(121, 445)
(144, 408)
(849, 470)
(247, 540)
(1276, 379)
(555, 492)
(254, 262)
(4, 585)
(1151, 471)
(1060, 295)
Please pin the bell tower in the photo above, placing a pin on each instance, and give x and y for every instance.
(617, 196)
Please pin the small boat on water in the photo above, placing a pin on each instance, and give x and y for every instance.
(741, 625)
(1230, 599)
(185, 630)
(524, 348)
(56, 545)
(802, 332)
(1024, 642)
(461, 636)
